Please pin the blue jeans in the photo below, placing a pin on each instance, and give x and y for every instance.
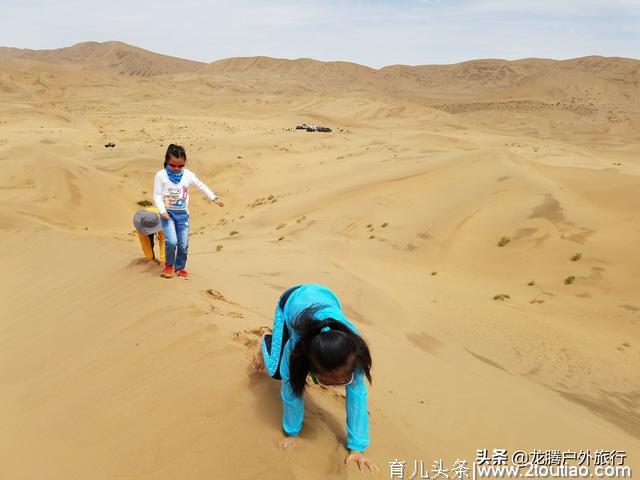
(176, 234)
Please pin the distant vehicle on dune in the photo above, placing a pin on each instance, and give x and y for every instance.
(312, 128)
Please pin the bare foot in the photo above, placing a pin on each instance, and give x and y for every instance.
(287, 442)
(258, 361)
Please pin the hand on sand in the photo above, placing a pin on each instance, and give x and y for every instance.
(165, 216)
(364, 464)
(287, 442)
(218, 202)
(258, 361)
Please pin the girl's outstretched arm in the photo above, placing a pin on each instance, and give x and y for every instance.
(292, 405)
(358, 425)
(198, 183)
(357, 414)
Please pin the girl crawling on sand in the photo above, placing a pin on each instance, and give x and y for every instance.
(311, 336)
(171, 196)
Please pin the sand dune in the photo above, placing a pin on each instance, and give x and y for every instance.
(113, 57)
(107, 370)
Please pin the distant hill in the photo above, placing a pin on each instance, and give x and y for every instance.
(534, 79)
(114, 57)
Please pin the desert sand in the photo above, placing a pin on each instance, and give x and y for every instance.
(109, 371)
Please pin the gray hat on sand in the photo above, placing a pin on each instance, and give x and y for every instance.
(147, 222)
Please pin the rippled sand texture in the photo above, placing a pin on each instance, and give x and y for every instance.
(109, 371)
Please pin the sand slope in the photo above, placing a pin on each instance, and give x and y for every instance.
(107, 370)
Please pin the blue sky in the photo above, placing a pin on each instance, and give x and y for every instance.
(369, 32)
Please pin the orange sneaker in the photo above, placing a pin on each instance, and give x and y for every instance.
(182, 274)
(167, 271)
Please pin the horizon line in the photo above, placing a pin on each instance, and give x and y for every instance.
(320, 61)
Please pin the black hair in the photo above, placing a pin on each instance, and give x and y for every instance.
(320, 351)
(176, 151)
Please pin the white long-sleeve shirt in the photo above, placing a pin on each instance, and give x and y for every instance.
(171, 196)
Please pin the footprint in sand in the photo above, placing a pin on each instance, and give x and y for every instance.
(250, 338)
(216, 294)
(338, 393)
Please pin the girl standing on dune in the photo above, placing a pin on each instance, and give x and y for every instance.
(311, 336)
(171, 196)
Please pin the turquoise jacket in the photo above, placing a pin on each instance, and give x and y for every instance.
(293, 405)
